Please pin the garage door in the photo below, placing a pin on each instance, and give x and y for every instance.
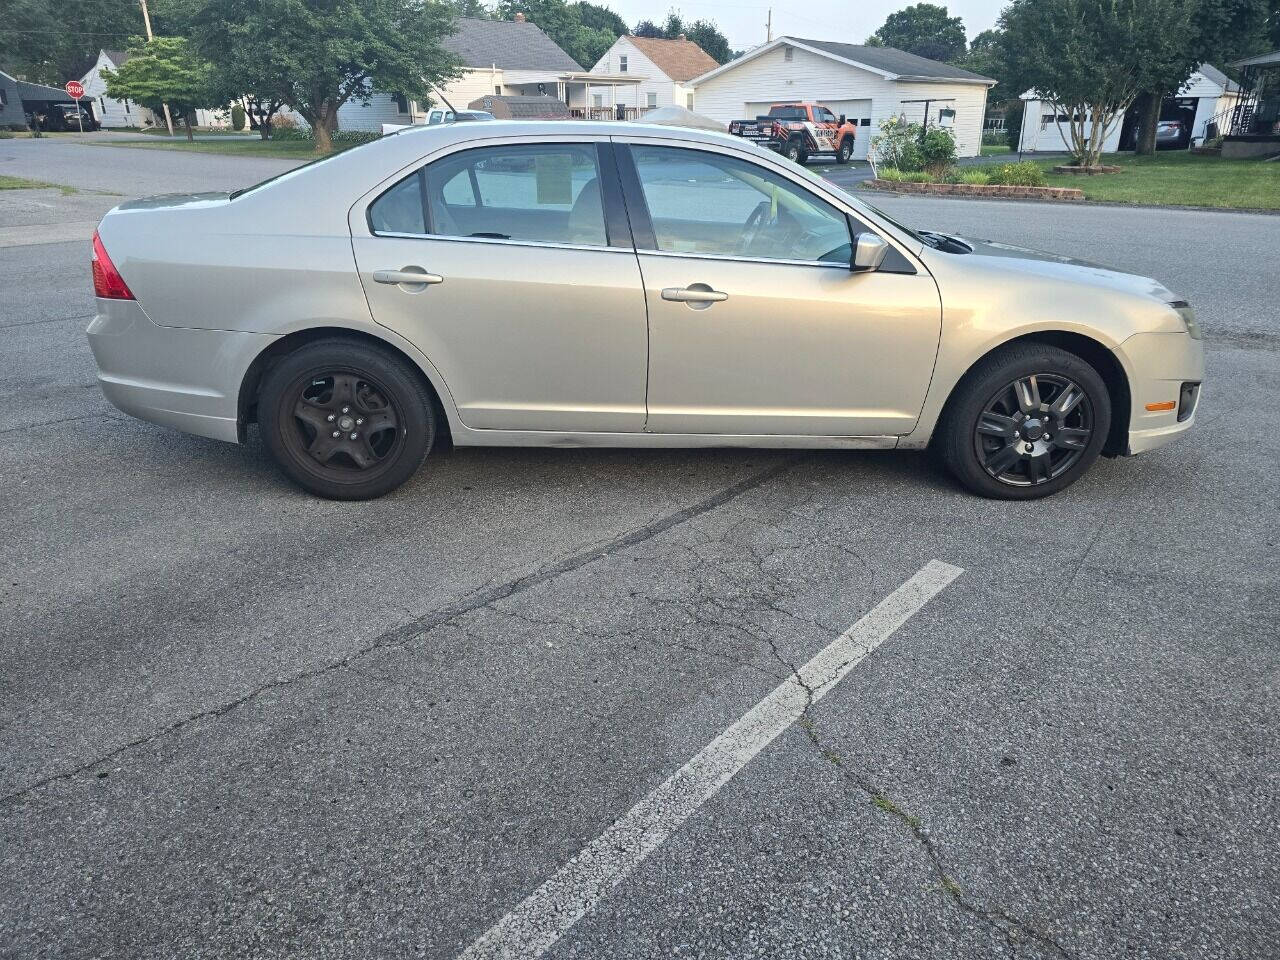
(859, 112)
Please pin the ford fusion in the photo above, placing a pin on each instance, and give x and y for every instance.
(588, 284)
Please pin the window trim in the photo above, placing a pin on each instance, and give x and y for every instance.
(618, 236)
(646, 239)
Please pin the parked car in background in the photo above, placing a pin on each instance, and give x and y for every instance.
(1170, 133)
(62, 116)
(565, 283)
(799, 131)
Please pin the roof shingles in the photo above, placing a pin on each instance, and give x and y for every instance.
(680, 60)
(510, 44)
(892, 60)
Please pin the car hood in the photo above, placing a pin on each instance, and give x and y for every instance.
(1004, 256)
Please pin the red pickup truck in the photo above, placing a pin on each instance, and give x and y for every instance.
(800, 130)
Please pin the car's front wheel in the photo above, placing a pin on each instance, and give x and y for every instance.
(346, 420)
(845, 152)
(1026, 422)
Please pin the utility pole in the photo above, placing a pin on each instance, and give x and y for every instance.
(146, 19)
(768, 26)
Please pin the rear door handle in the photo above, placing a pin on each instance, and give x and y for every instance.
(414, 275)
(699, 293)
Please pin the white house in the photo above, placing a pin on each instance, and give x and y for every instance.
(866, 84)
(664, 68)
(113, 113)
(504, 57)
(1206, 99)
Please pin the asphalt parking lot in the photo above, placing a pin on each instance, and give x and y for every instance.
(721, 704)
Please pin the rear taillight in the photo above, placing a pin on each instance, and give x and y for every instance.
(107, 282)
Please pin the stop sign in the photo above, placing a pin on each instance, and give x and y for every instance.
(75, 89)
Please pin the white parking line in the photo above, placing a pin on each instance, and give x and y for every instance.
(546, 915)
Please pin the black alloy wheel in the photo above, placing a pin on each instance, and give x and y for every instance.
(346, 420)
(1025, 422)
(1034, 429)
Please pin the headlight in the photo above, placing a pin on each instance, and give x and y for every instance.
(1183, 309)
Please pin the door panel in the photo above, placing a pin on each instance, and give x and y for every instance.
(794, 349)
(534, 310)
(526, 337)
(757, 325)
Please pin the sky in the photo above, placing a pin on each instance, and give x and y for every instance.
(839, 20)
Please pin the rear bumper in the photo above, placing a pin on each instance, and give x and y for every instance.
(175, 376)
(1158, 365)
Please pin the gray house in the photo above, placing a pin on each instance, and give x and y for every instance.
(11, 114)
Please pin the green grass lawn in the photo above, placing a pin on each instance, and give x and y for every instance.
(994, 149)
(21, 183)
(1178, 177)
(287, 149)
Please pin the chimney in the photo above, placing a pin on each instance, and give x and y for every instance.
(519, 18)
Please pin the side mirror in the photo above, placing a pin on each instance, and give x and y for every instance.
(868, 253)
(843, 120)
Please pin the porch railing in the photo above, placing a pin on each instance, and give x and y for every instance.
(608, 113)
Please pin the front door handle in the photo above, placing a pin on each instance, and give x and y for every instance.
(410, 275)
(697, 293)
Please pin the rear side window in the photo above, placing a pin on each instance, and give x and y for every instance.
(399, 210)
(547, 193)
(788, 113)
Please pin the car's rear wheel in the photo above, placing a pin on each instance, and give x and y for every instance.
(346, 420)
(1026, 422)
(793, 151)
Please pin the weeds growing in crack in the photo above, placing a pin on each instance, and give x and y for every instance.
(1015, 930)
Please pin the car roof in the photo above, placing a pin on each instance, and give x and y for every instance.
(602, 129)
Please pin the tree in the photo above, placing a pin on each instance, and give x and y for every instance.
(52, 42)
(160, 71)
(471, 8)
(1185, 35)
(316, 55)
(925, 30)
(647, 28)
(707, 35)
(582, 30)
(1081, 57)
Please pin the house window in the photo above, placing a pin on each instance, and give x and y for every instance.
(688, 100)
(497, 90)
(788, 54)
(650, 99)
(597, 99)
(622, 63)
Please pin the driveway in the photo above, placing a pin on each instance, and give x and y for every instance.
(535, 687)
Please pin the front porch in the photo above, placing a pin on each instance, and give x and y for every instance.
(618, 94)
(1254, 126)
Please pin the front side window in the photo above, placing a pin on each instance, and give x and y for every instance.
(547, 193)
(712, 204)
(823, 115)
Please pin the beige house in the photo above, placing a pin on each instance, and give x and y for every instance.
(662, 67)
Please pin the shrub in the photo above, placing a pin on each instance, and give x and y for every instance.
(237, 117)
(903, 176)
(289, 132)
(937, 150)
(976, 178)
(339, 136)
(1024, 174)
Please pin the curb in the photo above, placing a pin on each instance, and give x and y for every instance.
(978, 190)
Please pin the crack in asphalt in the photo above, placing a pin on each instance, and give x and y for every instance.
(415, 629)
(1015, 929)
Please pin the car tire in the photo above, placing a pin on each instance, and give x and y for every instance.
(378, 405)
(793, 152)
(1025, 422)
(845, 152)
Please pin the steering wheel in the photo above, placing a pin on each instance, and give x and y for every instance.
(751, 229)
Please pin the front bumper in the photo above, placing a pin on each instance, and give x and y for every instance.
(175, 376)
(1159, 364)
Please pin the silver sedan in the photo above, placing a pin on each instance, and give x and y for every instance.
(588, 284)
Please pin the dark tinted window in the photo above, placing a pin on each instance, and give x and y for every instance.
(788, 113)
